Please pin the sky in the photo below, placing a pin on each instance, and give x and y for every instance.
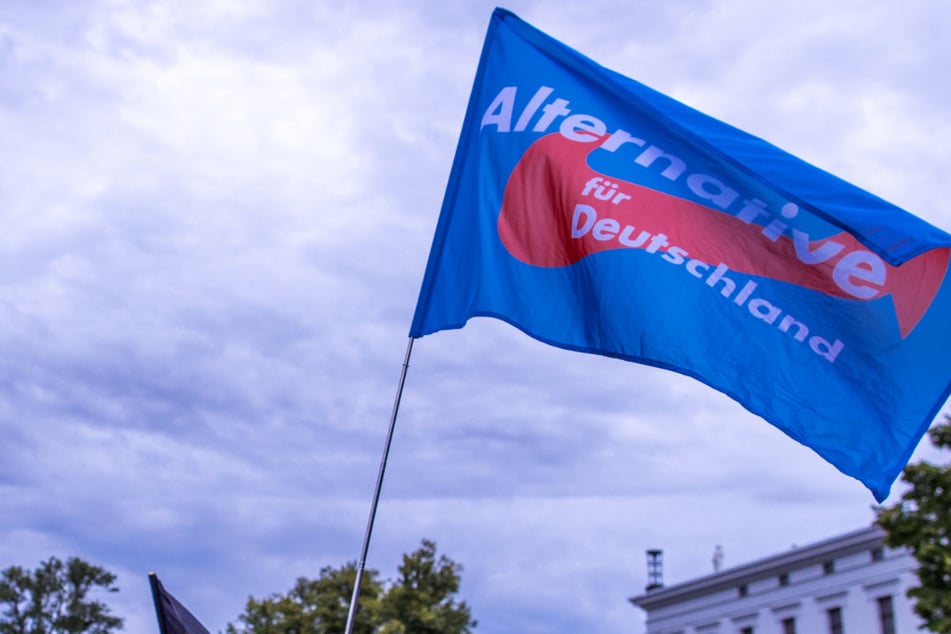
(216, 220)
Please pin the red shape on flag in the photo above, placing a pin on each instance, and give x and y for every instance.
(550, 217)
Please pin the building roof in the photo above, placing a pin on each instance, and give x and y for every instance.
(864, 539)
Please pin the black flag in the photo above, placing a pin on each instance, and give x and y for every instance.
(173, 617)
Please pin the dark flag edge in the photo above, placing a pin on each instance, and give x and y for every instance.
(173, 617)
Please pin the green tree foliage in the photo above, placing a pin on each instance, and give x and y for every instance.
(56, 599)
(921, 521)
(421, 601)
(314, 607)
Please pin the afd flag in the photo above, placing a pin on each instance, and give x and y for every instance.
(173, 617)
(598, 215)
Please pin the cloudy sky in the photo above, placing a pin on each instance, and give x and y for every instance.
(216, 217)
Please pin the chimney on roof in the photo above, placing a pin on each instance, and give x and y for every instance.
(717, 558)
(655, 569)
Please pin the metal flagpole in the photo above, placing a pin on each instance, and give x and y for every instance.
(376, 493)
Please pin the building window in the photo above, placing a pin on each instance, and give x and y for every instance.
(828, 567)
(789, 626)
(835, 621)
(886, 615)
(878, 554)
(784, 579)
(743, 590)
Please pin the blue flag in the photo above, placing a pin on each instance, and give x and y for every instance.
(173, 617)
(598, 215)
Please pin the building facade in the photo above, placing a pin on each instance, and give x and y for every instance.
(851, 584)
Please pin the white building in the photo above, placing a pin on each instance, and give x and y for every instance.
(852, 584)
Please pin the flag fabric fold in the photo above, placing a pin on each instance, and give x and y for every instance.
(173, 617)
(596, 214)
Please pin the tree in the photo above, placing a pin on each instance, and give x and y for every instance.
(55, 599)
(314, 607)
(421, 601)
(921, 521)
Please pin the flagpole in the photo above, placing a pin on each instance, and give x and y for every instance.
(376, 493)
